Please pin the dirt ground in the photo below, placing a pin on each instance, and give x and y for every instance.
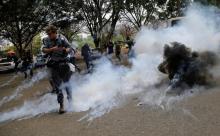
(201, 117)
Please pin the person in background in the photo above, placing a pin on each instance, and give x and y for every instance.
(27, 60)
(105, 49)
(130, 43)
(110, 48)
(118, 51)
(86, 53)
(57, 48)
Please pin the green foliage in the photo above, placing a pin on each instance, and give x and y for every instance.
(4, 53)
(11, 48)
(174, 8)
(118, 37)
(36, 44)
(81, 41)
(22, 20)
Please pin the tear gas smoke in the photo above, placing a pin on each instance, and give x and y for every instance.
(9, 81)
(31, 108)
(186, 68)
(109, 86)
(26, 84)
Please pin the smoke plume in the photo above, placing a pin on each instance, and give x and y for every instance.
(26, 84)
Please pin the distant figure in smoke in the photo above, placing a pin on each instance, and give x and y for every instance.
(27, 60)
(118, 51)
(130, 43)
(110, 48)
(86, 53)
(57, 47)
(185, 67)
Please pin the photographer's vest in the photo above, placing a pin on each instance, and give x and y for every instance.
(56, 56)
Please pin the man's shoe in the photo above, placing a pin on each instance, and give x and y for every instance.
(61, 110)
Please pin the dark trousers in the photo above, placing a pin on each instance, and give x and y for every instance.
(16, 66)
(25, 67)
(88, 62)
(60, 74)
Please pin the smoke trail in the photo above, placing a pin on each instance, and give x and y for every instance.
(31, 108)
(9, 81)
(26, 84)
(109, 86)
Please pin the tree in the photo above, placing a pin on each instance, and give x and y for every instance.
(16, 22)
(175, 8)
(71, 31)
(141, 12)
(117, 8)
(71, 27)
(126, 30)
(22, 20)
(95, 14)
(36, 44)
(70, 22)
(98, 15)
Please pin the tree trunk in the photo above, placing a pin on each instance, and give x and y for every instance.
(19, 50)
(96, 40)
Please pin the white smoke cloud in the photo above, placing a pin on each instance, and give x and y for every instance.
(199, 30)
(109, 86)
(44, 104)
(26, 84)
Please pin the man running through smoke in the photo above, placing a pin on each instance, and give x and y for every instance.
(57, 47)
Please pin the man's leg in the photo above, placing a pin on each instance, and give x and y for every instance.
(60, 98)
(54, 90)
(31, 72)
(87, 63)
(16, 67)
(66, 75)
(69, 94)
(25, 74)
(57, 82)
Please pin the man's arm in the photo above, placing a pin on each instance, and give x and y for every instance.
(67, 45)
(49, 50)
(45, 47)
